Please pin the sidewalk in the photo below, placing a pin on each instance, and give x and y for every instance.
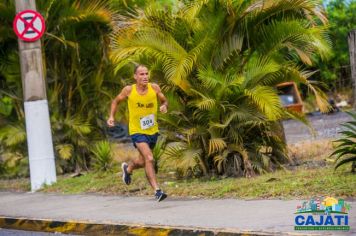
(117, 215)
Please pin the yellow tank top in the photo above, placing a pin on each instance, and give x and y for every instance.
(142, 111)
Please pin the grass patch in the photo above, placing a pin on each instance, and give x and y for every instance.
(310, 174)
(293, 184)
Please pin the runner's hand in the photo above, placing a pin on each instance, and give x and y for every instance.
(163, 108)
(111, 122)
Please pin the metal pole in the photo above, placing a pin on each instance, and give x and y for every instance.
(38, 128)
(352, 51)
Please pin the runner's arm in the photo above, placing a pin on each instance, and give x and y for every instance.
(163, 100)
(119, 98)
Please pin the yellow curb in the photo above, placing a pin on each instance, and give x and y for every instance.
(88, 228)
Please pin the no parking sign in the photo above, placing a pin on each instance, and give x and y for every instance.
(29, 25)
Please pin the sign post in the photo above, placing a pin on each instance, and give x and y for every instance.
(29, 26)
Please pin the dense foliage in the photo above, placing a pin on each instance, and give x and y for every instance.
(336, 72)
(219, 63)
(79, 77)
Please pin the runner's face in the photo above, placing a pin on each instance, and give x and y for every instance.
(141, 76)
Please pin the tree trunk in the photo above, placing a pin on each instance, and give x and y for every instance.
(280, 131)
(352, 51)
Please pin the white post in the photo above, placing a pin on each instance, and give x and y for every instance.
(39, 141)
(38, 129)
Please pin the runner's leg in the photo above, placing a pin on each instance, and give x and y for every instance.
(146, 152)
(136, 164)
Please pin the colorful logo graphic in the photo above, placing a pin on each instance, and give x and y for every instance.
(322, 214)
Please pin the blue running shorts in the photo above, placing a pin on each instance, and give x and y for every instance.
(151, 140)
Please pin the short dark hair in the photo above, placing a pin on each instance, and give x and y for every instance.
(138, 66)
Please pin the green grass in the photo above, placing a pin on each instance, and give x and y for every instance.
(313, 177)
(296, 184)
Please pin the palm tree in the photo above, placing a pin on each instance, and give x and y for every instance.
(219, 62)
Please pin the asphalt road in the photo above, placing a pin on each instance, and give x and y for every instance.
(326, 126)
(267, 216)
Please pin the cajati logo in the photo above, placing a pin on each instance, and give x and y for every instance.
(322, 214)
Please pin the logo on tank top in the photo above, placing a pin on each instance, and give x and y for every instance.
(147, 105)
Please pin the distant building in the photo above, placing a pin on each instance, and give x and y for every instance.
(314, 207)
(336, 207)
(318, 203)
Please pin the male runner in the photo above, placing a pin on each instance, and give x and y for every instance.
(143, 127)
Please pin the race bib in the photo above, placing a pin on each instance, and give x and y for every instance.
(147, 121)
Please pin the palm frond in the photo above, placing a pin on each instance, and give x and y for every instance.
(190, 11)
(97, 11)
(257, 70)
(345, 161)
(350, 126)
(216, 145)
(345, 151)
(65, 151)
(174, 149)
(78, 125)
(189, 159)
(209, 78)
(13, 135)
(178, 156)
(177, 71)
(229, 48)
(348, 134)
(158, 17)
(267, 100)
(298, 9)
(204, 102)
(226, 122)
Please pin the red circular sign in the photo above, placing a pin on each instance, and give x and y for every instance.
(29, 25)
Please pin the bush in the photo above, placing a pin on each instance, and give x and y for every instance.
(103, 157)
(345, 151)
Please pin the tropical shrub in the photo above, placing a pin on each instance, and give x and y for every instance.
(219, 62)
(13, 153)
(78, 74)
(345, 151)
(158, 151)
(103, 157)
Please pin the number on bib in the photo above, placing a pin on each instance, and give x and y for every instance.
(147, 121)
